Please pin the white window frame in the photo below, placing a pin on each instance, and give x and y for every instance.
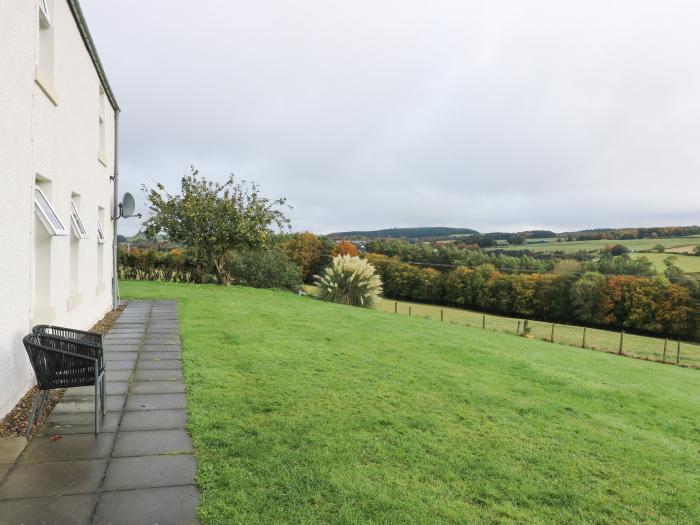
(44, 13)
(76, 222)
(100, 232)
(55, 230)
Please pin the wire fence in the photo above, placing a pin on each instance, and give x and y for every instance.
(681, 353)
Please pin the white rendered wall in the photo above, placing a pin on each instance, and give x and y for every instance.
(57, 141)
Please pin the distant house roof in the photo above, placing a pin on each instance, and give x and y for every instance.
(90, 46)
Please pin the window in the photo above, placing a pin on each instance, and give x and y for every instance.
(46, 213)
(100, 232)
(45, 19)
(77, 222)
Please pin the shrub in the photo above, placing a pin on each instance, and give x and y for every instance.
(350, 280)
(617, 249)
(264, 268)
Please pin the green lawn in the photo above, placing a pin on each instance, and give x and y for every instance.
(309, 412)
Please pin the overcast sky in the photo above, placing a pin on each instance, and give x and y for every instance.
(493, 115)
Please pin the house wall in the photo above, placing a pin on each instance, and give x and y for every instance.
(49, 134)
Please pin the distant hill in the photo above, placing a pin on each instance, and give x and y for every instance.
(404, 233)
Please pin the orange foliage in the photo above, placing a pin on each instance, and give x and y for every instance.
(345, 248)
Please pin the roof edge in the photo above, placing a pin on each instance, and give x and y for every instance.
(92, 51)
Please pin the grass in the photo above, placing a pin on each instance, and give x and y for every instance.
(687, 263)
(605, 340)
(310, 412)
(632, 244)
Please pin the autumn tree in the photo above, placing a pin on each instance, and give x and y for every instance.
(212, 219)
(344, 248)
(309, 252)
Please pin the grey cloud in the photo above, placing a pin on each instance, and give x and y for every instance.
(486, 114)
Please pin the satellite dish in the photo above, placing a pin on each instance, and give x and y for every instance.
(128, 205)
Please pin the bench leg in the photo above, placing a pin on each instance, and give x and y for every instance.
(97, 386)
(37, 408)
(103, 393)
(32, 414)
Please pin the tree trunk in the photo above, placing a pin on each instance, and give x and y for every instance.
(221, 275)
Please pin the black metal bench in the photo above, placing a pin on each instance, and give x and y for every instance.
(65, 358)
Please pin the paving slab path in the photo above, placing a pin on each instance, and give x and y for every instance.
(139, 470)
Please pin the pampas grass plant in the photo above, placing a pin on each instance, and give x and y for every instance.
(350, 280)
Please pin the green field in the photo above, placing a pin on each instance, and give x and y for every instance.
(309, 412)
(687, 263)
(634, 244)
(651, 348)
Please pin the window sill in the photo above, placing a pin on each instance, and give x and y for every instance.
(73, 301)
(102, 159)
(46, 86)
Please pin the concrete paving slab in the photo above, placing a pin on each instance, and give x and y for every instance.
(117, 375)
(161, 348)
(150, 442)
(87, 404)
(111, 344)
(114, 388)
(35, 480)
(120, 356)
(123, 338)
(157, 331)
(120, 348)
(64, 510)
(163, 364)
(150, 471)
(3, 470)
(161, 339)
(68, 448)
(141, 402)
(153, 420)
(159, 356)
(10, 449)
(161, 506)
(119, 365)
(78, 423)
(158, 323)
(158, 375)
(134, 330)
(158, 387)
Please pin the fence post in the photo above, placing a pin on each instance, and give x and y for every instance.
(583, 342)
(526, 327)
(517, 331)
(663, 359)
(678, 353)
(442, 317)
(622, 337)
(551, 339)
(483, 322)
(409, 311)
(396, 307)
